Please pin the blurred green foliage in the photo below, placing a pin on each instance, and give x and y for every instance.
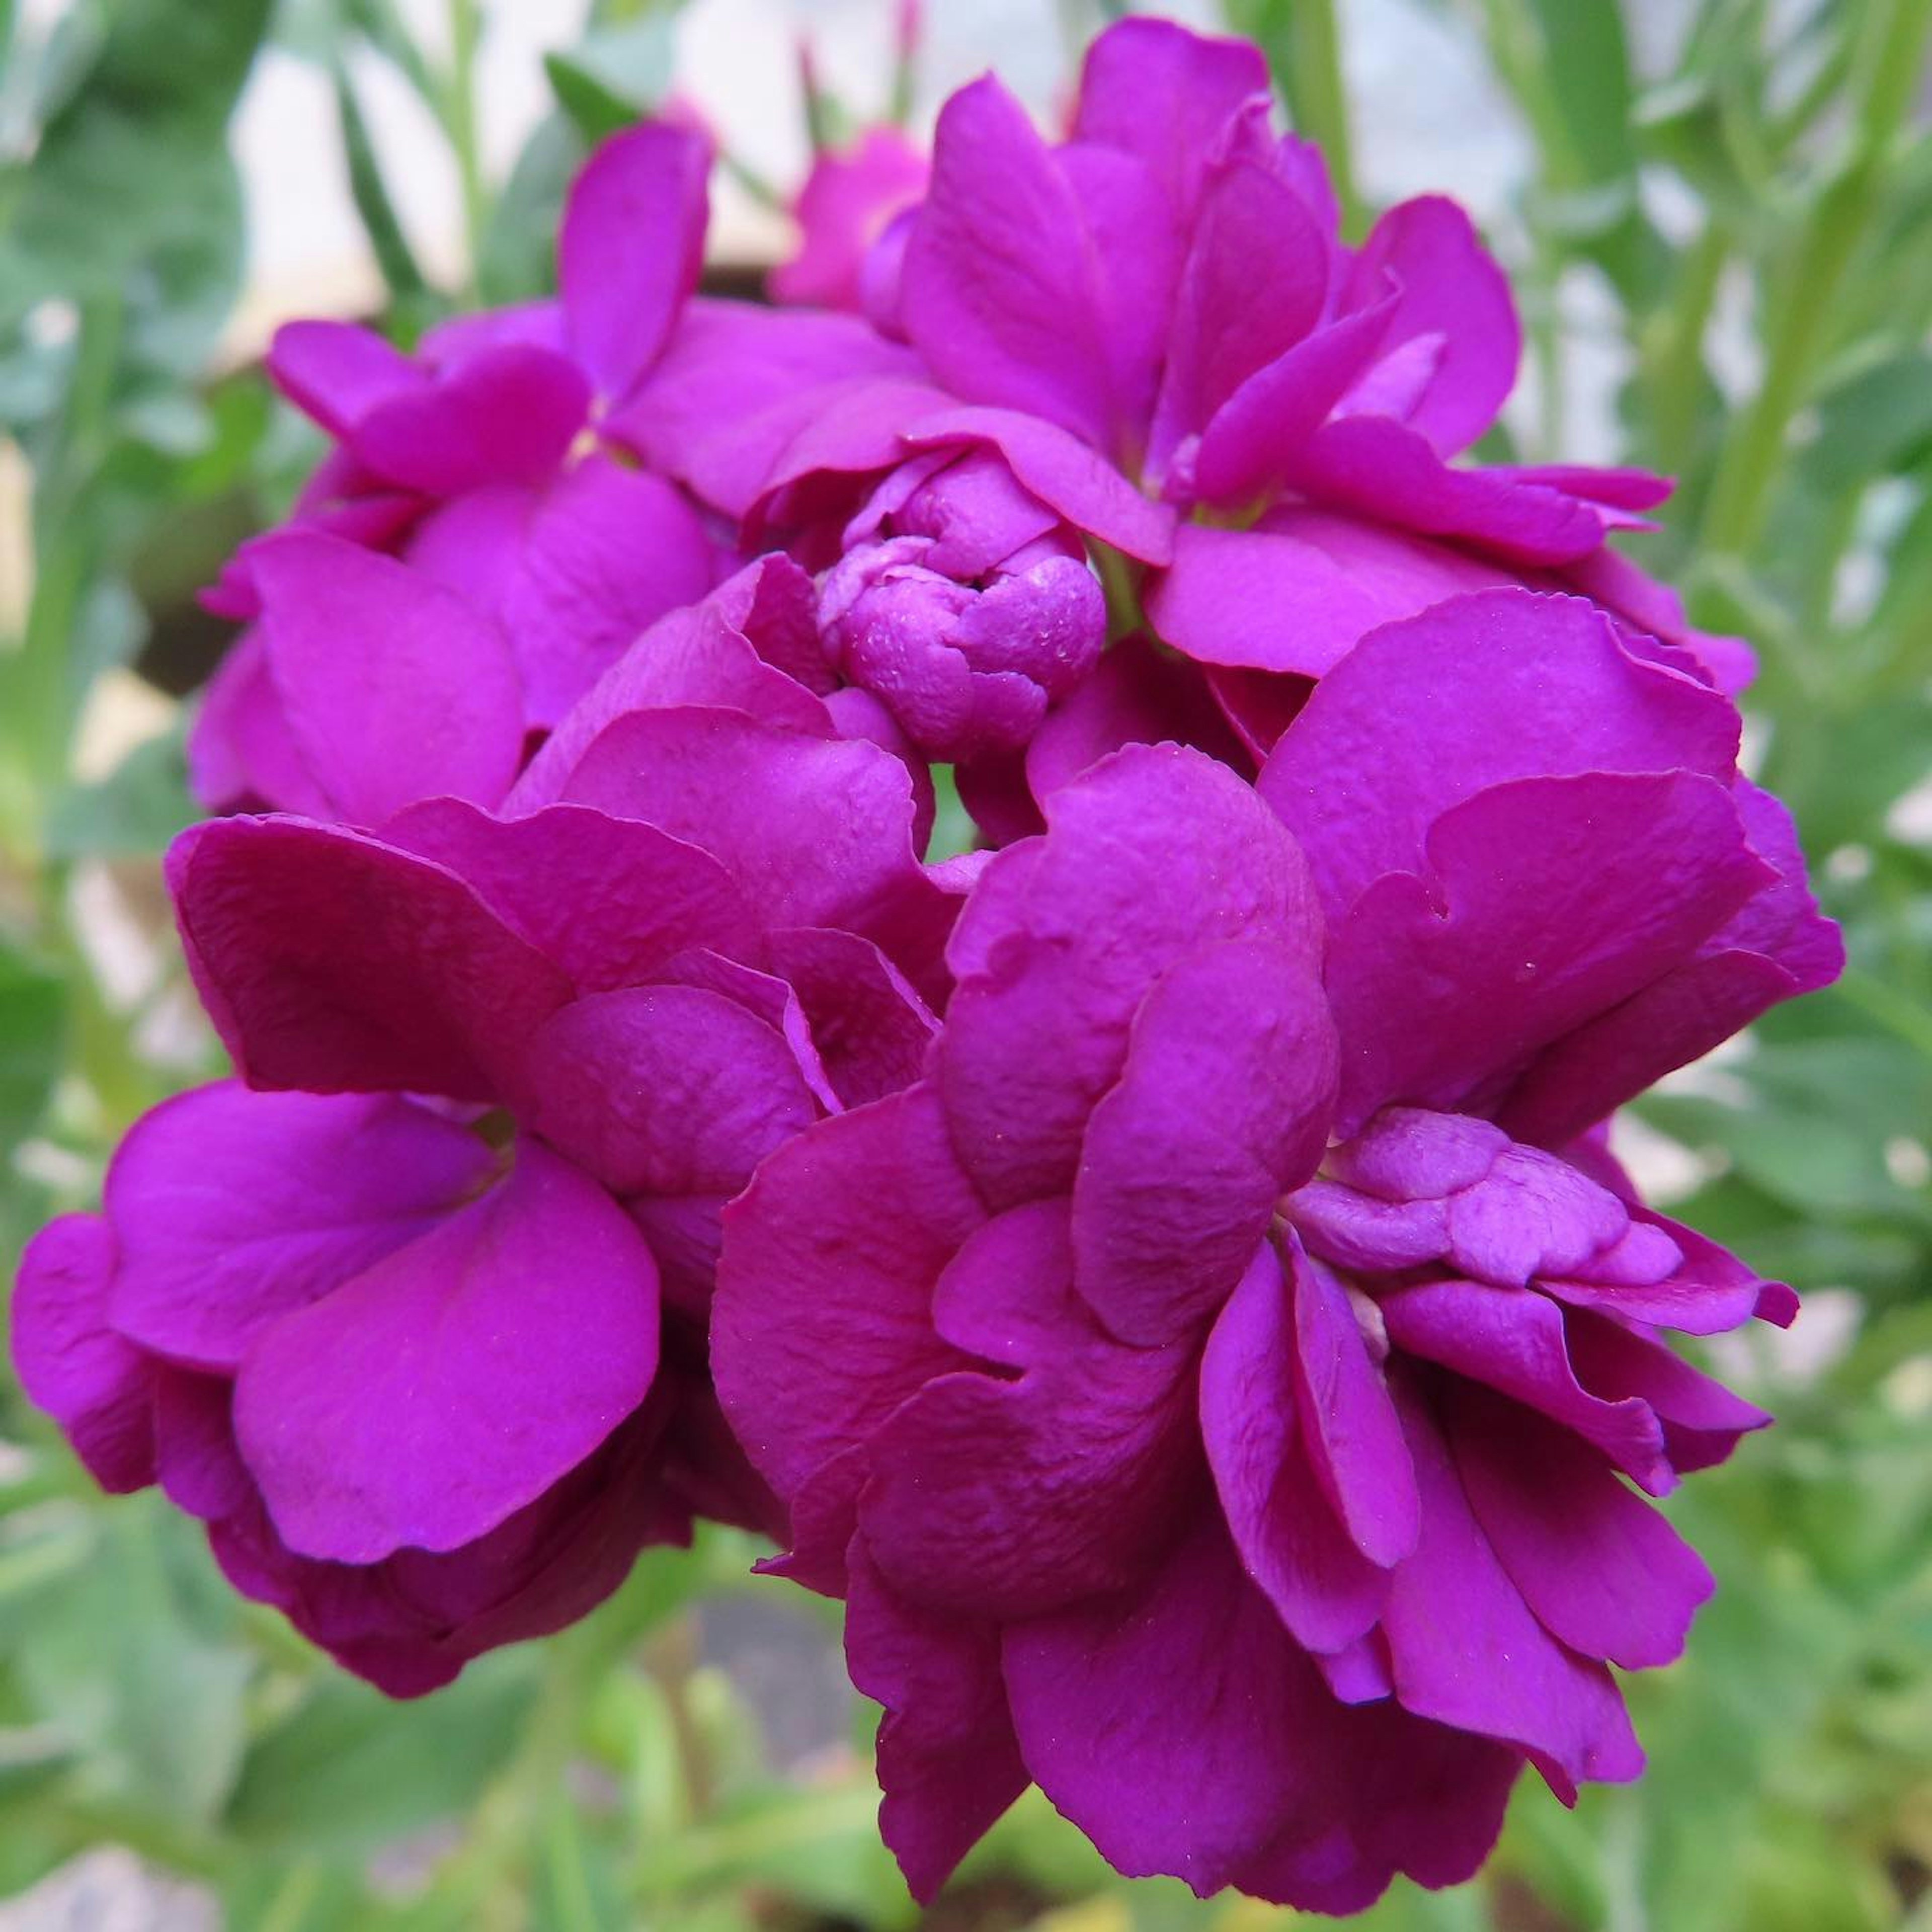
(1739, 200)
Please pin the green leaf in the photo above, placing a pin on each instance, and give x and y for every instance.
(112, 1655)
(1876, 422)
(122, 174)
(517, 260)
(380, 221)
(1585, 65)
(134, 813)
(349, 1768)
(614, 76)
(33, 1043)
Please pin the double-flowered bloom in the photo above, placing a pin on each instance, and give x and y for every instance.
(1169, 1274)
(1213, 1384)
(418, 1325)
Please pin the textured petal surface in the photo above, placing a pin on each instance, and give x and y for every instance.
(233, 1209)
(1156, 853)
(394, 689)
(424, 1402)
(1485, 688)
(1299, 590)
(333, 962)
(1005, 1497)
(822, 1325)
(1326, 1592)
(70, 1363)
(1063, 472)
(1001, 291)
(948, 1762)
(628, 252)
(610, 551)
(1184, 1731)
(1347, 1420)
(736, 383)
(1449, 290)
(506, 415)
(666, 1089)
(1516, 1343)
(1544, 902)
(1453, 1613)
(610, 901)
(814, 832)
(1221, 1107)
(1603, 1572)
(1154, 89)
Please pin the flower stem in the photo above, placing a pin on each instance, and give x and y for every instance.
(460, 122)
(1307, 52)
(1806, 303)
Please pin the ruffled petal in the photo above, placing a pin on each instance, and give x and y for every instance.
(331, 961)
(629, 250)
(393, 687)
(452, 1383)
(1221, 1107)
(71, 1364)
(233, 1209)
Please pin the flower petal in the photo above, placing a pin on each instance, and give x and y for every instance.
(665, 1090)
(452, 1383)
(609, 901)
(333, 962)
(1474, 691)
(1326, 1592)
(1450, 288)
(822, 1325)
(1156, 853)
(393, 687)
(1453, 1613)
(1007, 1498)
(1002, 290)
(1514, 1341)
(71, 1364)
(1182, 1728)
(948, 1764)
(610, 551)
(1221, 1108)
(1603, 1572)
(630, 247)
(1547, 901)
(233, 1209)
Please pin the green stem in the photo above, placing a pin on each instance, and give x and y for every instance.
(1308, 65)
(37, 707)
(1750, 462)
(460, 122)
(1898, 1013)
(1118, 584)
(1673, 361)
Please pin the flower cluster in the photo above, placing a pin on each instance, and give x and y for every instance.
(1166, 1270)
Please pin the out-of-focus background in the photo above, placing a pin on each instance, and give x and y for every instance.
(1719, 216)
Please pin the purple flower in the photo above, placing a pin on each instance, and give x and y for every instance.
(338, 1330)
(970, 609)
(486, 462)
(1156, 327)
(418, 1323)
(1211, 1386)
(848, 201)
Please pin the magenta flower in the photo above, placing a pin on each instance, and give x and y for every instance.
(418, 1325)
(1211, 1386)
(485, 461)
(337, 1329)
(848, 201)
(1156, 326)
(963, 605)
